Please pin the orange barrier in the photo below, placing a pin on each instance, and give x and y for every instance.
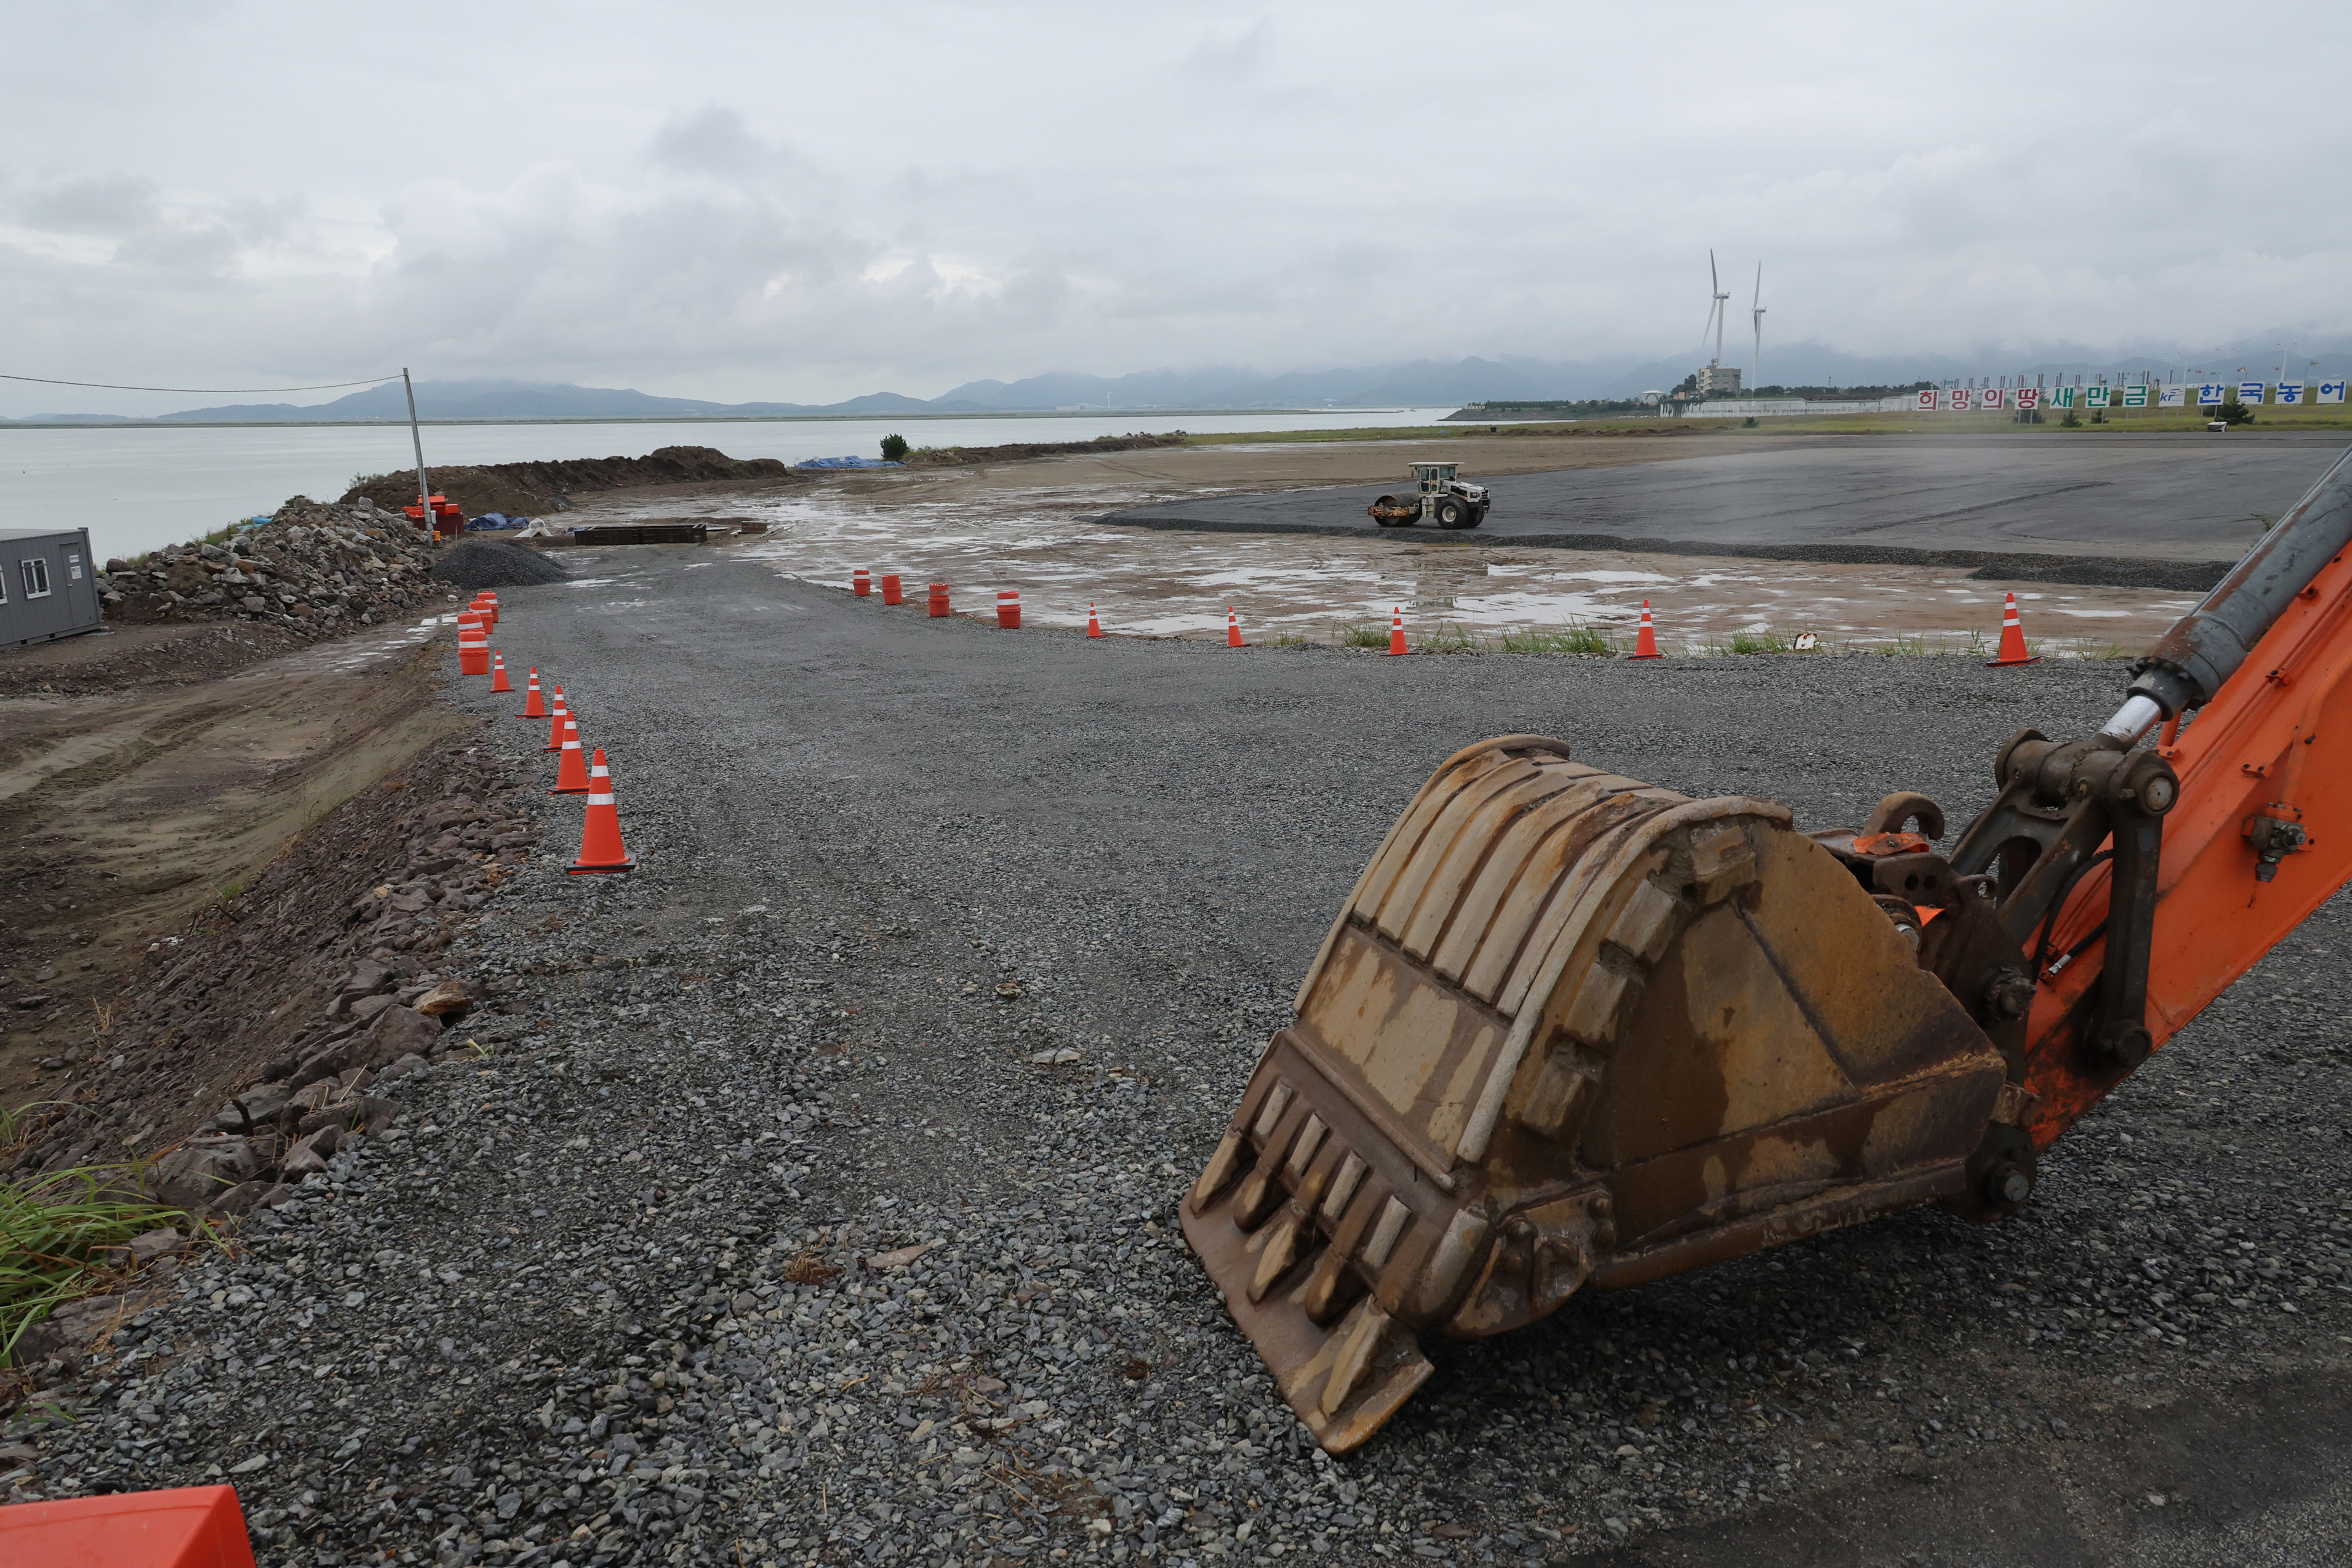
(1646, 641)
(1396, 631)
(891, 593)
(600, 834)
(1008, 609)
(473, 652)
(187, 1527)
(499, 682)
(570, 769)
(939, 599)
(2012, 640)
(860, 584)
(532, 707)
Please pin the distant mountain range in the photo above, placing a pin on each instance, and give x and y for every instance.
(1418, 383)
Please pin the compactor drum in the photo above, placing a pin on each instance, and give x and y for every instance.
(1572, 1030)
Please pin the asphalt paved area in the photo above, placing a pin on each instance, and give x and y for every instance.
(949, 937)
(2183, 497)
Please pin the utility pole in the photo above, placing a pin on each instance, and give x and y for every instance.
(423, 486)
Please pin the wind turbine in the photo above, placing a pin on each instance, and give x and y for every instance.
(1756, 314)
(1715, 299)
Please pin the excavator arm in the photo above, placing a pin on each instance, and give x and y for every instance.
(1573, 1031)
(2135, 936)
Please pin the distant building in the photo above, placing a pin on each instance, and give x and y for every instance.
(1718, 380)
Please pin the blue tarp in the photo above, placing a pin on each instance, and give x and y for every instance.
(846, 462)
(498, 520)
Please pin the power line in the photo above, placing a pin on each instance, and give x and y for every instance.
(230, 392)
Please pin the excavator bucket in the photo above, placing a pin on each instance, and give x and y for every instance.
(1571, 1029)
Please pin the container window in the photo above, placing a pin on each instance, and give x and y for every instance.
(37, 577)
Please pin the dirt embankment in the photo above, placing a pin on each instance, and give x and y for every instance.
(532, 489)
(305, 976)
(955, 457)
(137, 811)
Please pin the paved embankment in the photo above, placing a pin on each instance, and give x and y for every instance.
(817, 1206)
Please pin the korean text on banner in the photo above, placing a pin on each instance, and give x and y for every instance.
(1928, 401)
(2331, 392)
(2211, 394)
(2250, 391)
(2290, 392)
(2134, 397)
(2095, 397)
(1992, 396)
(2028, 397)
(2061, 397)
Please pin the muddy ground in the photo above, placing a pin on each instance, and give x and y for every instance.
(1031, 527)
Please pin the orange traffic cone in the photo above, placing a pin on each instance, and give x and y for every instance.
(1646, 641)
(532, 705)
(1094, 627)
(555, 723)
(499, 682)
(600, 835)
(1396, 631)
(1233, 629)
(571, 768)
(2012, 640)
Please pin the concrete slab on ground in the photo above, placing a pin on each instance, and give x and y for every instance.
(2200, 500)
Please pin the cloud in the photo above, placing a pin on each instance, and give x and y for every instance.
(780, 206)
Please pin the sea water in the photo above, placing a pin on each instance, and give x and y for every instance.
(136, 487)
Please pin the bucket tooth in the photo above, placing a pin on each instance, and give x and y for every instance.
(1342, 1189)
(1302, 1150)
(1276, 1253)
(1333, 1287)
(1393, 1221)
(1220, 1170)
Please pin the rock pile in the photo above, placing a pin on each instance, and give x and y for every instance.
(313, 569)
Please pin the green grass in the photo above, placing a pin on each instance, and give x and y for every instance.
(54, 1231)
(1576, 637)
(1447, 638)
(1363, 634)
(1764, 642)
(1289, 640)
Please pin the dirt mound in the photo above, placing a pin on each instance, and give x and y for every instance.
(535, 489)
(477, 564)
(954, 456)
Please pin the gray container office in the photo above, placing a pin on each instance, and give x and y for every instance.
(49, 584)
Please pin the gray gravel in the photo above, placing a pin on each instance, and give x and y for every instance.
(952, 939)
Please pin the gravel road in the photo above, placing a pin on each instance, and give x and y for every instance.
(819, 1208)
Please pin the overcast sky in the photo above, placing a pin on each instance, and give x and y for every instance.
(811, 202)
